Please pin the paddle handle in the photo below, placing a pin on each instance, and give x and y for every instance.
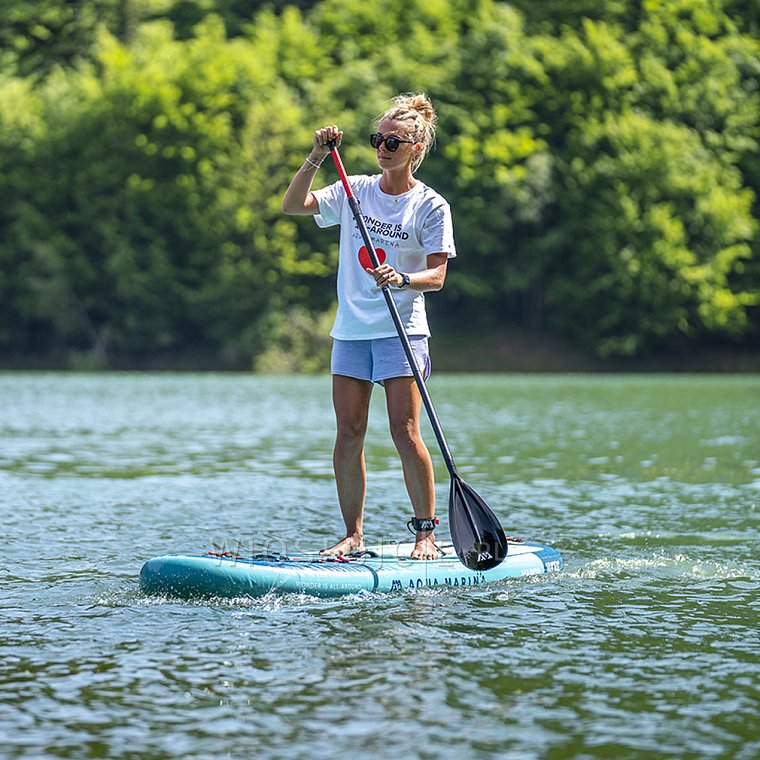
(353, 204)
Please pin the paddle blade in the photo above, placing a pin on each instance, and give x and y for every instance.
(478, 537)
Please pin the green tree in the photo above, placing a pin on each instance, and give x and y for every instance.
(601, 162)
(656, 230)
(157, 228)
(549, 232)
(38, 35)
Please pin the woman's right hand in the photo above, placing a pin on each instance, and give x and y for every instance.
(323, 136)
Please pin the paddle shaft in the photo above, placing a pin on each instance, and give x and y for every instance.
(426, 400)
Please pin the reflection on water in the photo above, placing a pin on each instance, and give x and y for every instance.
(645, 646)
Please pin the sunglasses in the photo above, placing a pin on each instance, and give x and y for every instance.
(391, 142)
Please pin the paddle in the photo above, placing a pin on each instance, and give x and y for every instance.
(476, 533)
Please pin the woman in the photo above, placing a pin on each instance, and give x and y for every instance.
(410, 226)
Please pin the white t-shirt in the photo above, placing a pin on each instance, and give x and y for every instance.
(404, 228)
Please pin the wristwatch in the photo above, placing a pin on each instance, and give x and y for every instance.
(404, 281)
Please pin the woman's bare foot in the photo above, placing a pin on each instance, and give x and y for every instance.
(349, 544)
(425, 547)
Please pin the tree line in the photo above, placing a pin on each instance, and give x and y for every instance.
(601, 160)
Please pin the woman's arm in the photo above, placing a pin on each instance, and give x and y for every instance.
(431, 278)
(298, 198)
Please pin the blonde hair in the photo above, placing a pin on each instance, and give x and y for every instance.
(417, 111)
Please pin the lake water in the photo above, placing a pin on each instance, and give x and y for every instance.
(645, 646)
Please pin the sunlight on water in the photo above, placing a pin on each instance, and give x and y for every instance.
(644, 646)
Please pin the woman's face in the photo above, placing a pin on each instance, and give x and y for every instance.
(406, 152)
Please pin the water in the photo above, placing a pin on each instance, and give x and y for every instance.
(646, 646)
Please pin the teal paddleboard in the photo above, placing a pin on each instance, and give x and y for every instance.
(380, 569)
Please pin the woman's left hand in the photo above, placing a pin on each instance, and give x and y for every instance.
(385, 274)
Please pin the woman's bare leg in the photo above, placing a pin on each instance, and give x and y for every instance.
(404, 404)
(351, 399)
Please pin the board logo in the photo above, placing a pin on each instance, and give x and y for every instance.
(484, 556)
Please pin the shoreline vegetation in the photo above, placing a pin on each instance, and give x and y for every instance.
(508, 350)
(602, 163)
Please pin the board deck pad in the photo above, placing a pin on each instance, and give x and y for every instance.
(386, 568)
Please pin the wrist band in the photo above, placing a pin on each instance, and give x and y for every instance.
(309, 161)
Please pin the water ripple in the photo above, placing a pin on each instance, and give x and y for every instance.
(645, 646)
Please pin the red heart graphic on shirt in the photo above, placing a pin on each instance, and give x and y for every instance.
(366, 261)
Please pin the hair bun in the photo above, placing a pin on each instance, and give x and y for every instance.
(421, 103)
(417, 102)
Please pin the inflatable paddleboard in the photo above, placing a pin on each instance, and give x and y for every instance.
(379, 569)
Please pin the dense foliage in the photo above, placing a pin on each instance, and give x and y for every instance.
(602, 164)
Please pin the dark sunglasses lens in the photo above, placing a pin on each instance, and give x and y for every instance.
(391, 142)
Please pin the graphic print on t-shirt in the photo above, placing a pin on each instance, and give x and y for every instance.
(408, 227)
(366, 261)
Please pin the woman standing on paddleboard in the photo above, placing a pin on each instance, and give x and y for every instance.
(411, 229)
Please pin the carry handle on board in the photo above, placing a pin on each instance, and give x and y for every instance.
(477, 535)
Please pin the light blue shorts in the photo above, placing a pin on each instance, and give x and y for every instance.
(379, 359)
